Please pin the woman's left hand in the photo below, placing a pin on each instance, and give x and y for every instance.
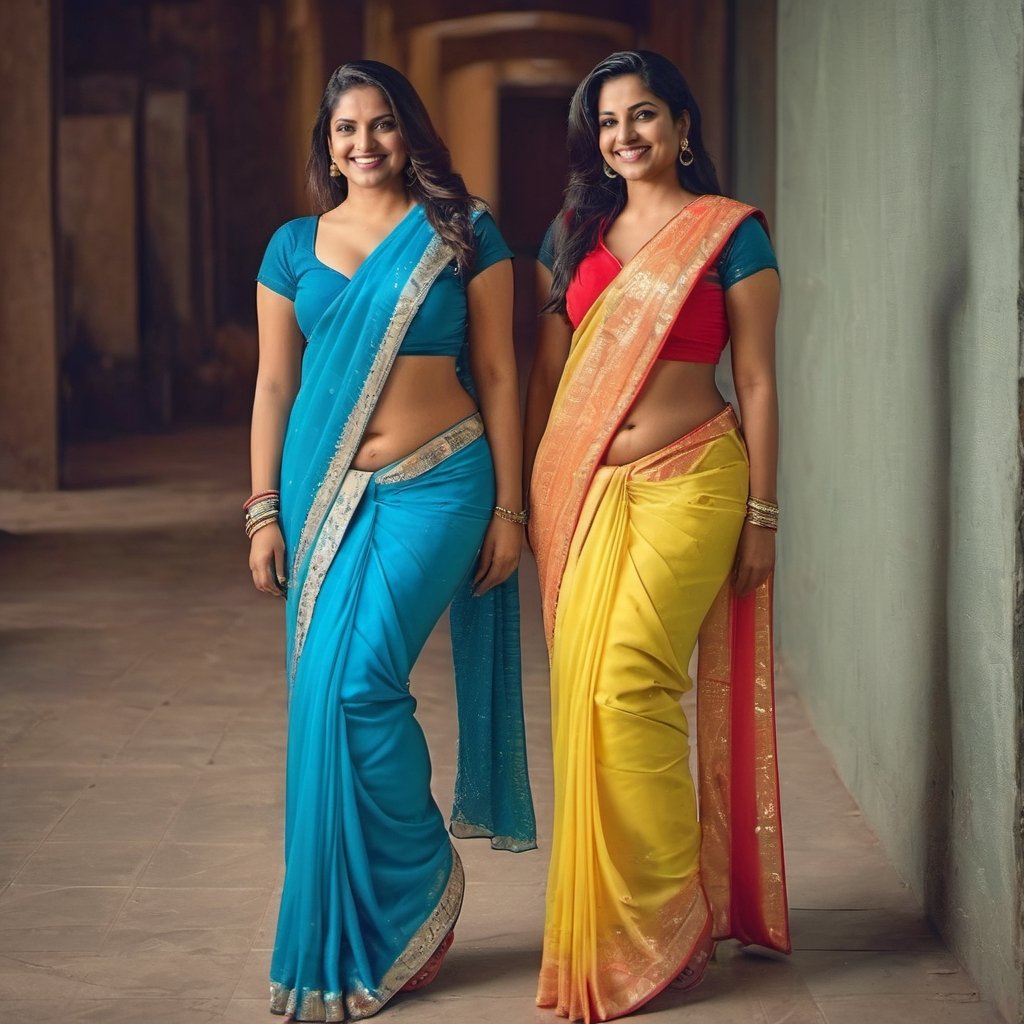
(755, 558)
(499, 555)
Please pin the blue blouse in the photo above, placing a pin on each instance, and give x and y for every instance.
(290, 268)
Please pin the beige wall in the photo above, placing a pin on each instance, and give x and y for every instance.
(98, 226)
(471, 127)
(28, 324)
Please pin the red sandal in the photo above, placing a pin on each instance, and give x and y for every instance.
(693, 973)
(428, 972)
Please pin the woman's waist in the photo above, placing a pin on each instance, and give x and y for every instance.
(684, 452)
(397, 428)
(661, 416)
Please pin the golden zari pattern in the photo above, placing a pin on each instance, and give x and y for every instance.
(634, 563)
(612, 352)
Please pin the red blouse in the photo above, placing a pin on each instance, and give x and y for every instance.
(700, 330)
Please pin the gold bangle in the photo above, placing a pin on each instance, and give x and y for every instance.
(760, 505)
(765, 521)
(255, 525)
(519, 518)
(264, 513)
(257, 510)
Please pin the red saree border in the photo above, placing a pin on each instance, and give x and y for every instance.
(741, 859)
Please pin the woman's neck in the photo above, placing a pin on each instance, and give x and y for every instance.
(647, 198)
(378, 203)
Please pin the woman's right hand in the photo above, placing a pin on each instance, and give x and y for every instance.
(266, 560)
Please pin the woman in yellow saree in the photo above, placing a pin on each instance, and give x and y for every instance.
(653, 522)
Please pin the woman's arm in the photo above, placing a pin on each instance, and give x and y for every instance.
(554, 333)
(277, 383)
(493, 362)
(752, 306)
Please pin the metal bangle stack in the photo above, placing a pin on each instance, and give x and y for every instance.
(261, 510)
(519, 518)
(762, 513)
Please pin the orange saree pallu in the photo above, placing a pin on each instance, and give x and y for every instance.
(634, 563)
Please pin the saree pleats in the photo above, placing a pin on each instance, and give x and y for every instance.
(372, 883)
(625, 905)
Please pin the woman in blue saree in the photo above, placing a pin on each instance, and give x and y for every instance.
(386, 456)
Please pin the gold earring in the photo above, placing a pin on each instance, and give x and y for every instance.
(608, 172)
(410, 174)
(335, 171)
(685, 153)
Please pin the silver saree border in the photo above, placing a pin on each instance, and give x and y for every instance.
(435, 451)
(336, 499)
(362, 1002)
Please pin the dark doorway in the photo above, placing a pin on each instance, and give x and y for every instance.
(532, 173)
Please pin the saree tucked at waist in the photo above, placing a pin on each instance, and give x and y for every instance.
(634, 563)
(372, 882)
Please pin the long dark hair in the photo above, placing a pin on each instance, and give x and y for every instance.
(591, 198)
(439, 189)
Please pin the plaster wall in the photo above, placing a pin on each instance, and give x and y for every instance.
(898, 230)
(99, 231)
(471, 127)
(28, 321)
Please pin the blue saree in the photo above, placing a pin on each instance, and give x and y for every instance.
(372, 881)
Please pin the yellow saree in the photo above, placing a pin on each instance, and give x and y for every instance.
(634, 562)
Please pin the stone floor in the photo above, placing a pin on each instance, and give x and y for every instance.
(141, 727)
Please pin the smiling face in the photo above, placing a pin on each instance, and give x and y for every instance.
(637, 136)
(364, 139)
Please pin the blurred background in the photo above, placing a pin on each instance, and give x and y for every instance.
(156, 145)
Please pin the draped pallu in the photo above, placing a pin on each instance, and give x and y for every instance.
(634, 563)
(372, 882)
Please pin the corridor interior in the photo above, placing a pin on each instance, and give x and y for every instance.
(142, 722)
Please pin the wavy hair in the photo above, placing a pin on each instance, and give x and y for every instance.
(591, 198)
(440, 190)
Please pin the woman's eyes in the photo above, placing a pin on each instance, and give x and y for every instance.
(640, 115)
(380, 126)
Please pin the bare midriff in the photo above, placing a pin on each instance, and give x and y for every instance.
(676, 398)
(421, 399)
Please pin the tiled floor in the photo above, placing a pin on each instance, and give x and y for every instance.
(141, 726)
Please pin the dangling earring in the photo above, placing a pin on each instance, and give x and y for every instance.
(608, 172)
(685, 153)
(410, 174)
(335, 171)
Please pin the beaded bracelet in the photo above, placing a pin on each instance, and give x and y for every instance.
(519, 518)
